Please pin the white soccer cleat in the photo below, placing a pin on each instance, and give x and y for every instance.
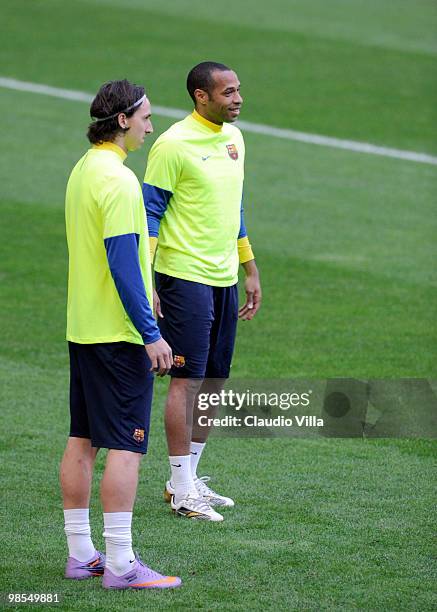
(210, 496)
(195, 508)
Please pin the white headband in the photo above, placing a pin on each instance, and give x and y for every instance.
(126, 110)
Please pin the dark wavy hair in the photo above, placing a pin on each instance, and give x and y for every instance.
(113, 97)
(200, 77)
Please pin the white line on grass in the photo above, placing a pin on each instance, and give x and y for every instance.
(256, 128)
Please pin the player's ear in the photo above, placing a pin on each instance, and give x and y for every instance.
(201, 96)
(122, 121)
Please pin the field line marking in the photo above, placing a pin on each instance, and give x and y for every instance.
(255, 128)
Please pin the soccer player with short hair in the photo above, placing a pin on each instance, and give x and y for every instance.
(114, 342)
(193, 190)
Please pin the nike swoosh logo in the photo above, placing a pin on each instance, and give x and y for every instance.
(178, 465)
(133, 561)
(205, 158)
(193, 453)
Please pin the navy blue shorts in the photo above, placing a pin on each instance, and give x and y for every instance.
(200, 325)
(111, 395)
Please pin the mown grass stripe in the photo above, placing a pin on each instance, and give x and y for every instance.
(256, 128)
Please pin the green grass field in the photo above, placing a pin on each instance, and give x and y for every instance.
(346, 247)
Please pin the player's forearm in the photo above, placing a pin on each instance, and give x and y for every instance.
(250, 268)
(122, 254)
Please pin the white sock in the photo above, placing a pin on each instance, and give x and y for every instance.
(196, 449)
(78, 531)
(181, 478)
(118, 538)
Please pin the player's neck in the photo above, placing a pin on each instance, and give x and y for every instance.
(206, 120)
(119, 141)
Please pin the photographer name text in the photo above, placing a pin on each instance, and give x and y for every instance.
(255, 421)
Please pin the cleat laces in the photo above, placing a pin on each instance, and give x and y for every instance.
(203, 488)
(198, 504)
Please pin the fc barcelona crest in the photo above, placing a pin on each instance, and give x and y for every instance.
(138, 435)
(232, 151)
(178, 361)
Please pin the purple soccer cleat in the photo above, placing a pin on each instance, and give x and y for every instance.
(79, 570)
(139, 577)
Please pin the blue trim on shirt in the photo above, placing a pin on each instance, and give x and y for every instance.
(124, 263)
(243, 232)
(155, 202)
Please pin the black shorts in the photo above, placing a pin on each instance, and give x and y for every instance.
(111, 395)
(200, 325)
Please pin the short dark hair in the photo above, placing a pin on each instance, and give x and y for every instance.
(200, 77)
(113, 97)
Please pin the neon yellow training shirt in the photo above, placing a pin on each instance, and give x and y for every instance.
(193, 196)
(109, 271)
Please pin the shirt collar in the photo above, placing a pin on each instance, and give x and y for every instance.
(209, 124)
(111, 146)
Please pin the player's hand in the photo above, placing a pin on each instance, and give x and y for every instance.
(157, 305)
(252, 287)
(160, 356)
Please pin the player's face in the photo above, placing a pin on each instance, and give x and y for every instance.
(139, 126)
(224, 101)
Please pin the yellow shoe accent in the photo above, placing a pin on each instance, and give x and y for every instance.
(167, 496)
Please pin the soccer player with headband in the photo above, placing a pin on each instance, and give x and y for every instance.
(114, 342)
